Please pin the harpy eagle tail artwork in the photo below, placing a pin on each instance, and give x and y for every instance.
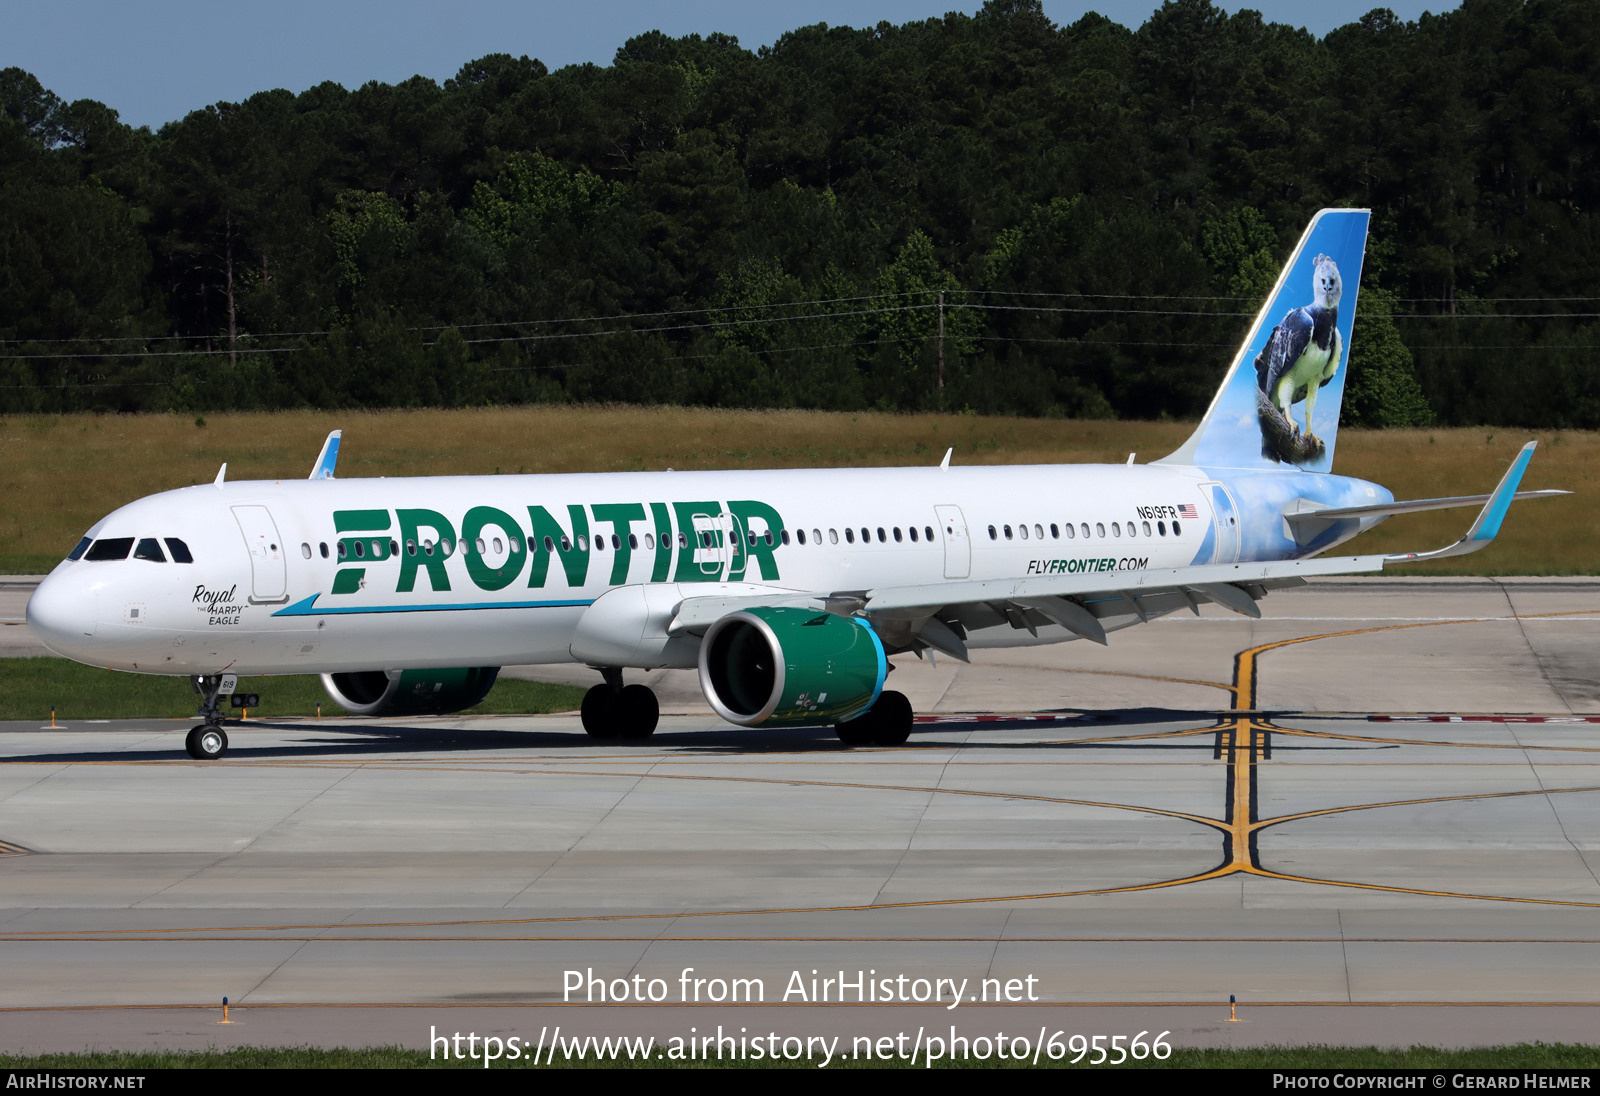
(1285, 410)
(1302, 355)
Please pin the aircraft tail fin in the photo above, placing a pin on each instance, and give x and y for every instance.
(1279, 404)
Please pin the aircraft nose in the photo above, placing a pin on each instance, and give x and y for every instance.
(61, 616)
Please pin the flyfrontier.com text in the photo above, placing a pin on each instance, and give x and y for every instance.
(924, 1046)
(841, 987)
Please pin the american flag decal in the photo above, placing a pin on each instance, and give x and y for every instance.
(1187, 510)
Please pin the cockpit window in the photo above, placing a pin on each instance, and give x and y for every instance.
(83, 546)
(110, 548)
(179, 550)
(149, 549)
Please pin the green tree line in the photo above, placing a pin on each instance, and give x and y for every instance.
(986, 212)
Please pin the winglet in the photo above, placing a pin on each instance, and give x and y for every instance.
(944, 465)
(329, 456)
(1489, 518)
(222, 474)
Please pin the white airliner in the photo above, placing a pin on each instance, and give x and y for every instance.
(787, 589)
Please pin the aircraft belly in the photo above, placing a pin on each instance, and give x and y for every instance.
(444, 639)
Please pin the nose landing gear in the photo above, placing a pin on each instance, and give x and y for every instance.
(206, 742)
(209, 741)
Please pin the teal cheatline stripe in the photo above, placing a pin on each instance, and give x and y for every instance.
(308, 607)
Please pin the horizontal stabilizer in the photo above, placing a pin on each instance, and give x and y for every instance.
(1493, 513)
(1411, 506)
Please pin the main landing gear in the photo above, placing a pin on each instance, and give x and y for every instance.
(886, 723)
(615, 710)
(208, 741)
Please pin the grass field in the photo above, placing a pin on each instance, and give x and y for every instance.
(62, 473)
(1560, 1056)
(30, 687)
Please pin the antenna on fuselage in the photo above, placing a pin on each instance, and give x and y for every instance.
(944, 465)
(221, 475)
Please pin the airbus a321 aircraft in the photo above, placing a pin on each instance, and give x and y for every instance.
(787, 589)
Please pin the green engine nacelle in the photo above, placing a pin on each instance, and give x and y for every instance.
(410, 692)
(791, 667)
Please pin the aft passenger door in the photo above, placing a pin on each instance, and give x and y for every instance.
(1227, 546)
(268, 571)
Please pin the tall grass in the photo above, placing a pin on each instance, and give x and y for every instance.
(62, 473)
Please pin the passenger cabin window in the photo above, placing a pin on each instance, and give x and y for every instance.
(1176, 531)
(850, 535)
(833, 536)
(149, 549)
(1071, 530)
(109, 548)
(83, 546)
(322, 547)
(305, 549)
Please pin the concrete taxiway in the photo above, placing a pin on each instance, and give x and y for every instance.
(1372, 816)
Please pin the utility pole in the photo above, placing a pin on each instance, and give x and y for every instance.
(941, 340)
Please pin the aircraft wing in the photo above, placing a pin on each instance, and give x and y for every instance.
(937, 614)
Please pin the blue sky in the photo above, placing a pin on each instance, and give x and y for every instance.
(156, 61)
